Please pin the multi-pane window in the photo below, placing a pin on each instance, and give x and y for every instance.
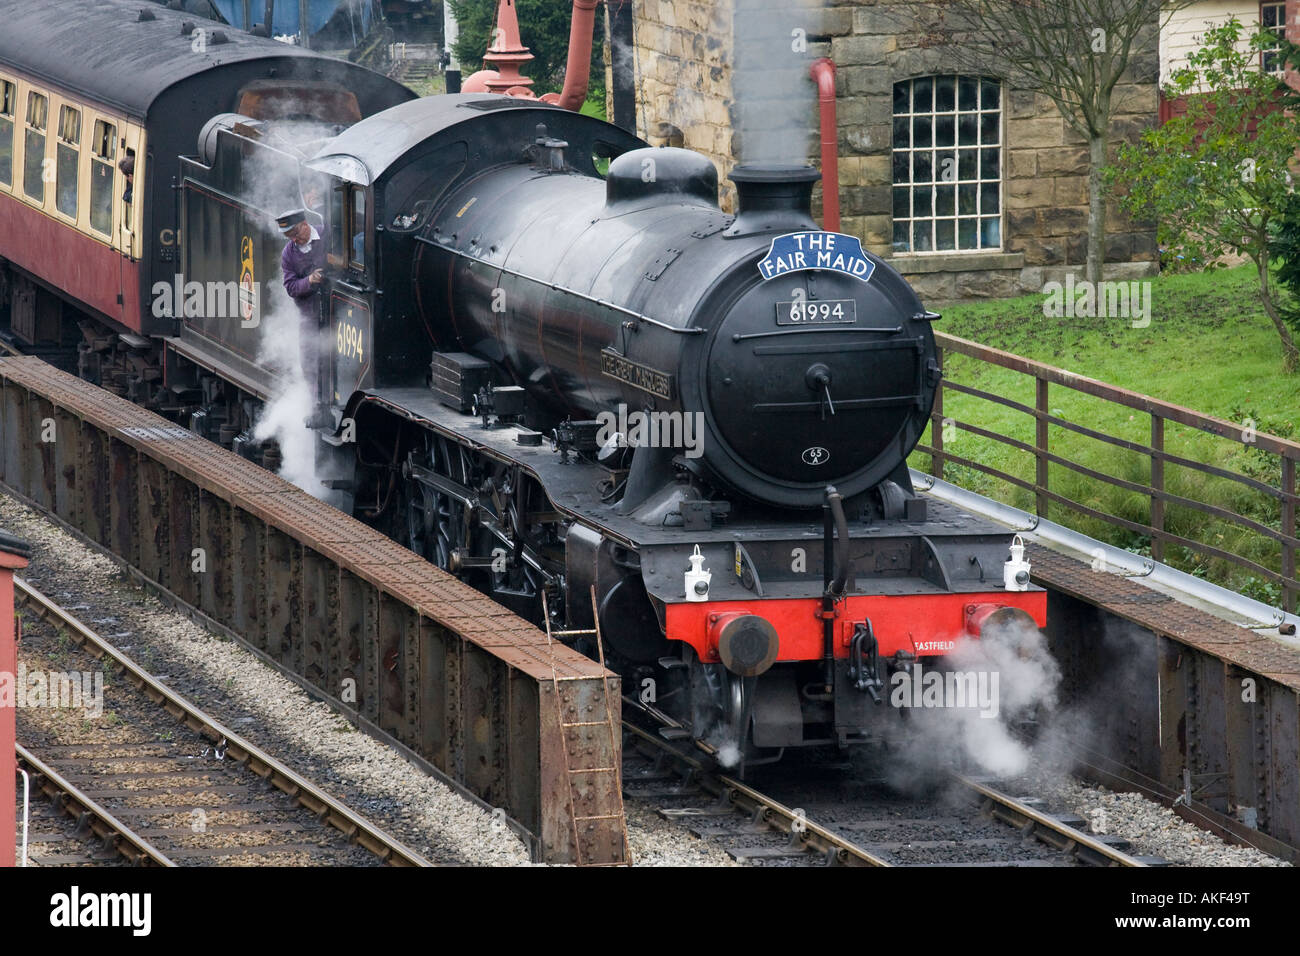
(34, 146)
(103, 150)
(947, 161)
(66, 161)
(1272, 17)
(8, 96)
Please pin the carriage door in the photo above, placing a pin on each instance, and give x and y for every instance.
(130, 199)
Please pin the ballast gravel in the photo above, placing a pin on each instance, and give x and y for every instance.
(1153, 829)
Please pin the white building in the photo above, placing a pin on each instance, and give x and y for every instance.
(1182, 31)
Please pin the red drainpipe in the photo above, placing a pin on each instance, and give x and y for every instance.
(577, 72)
(823, 74)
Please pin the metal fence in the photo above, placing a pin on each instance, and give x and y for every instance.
(1045, 377)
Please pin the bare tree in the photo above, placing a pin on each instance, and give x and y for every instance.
(1072, 51)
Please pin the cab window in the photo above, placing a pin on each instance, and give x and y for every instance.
(34, 146)
(357, 229)
(337, 223)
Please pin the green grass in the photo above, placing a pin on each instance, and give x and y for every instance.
(433, 86)
(1208, 346)
(594, 106)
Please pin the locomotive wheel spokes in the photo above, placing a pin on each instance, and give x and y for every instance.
(719, 715)
(528, 572)
(446, 531)
(448, 516)
(414, 520)
(416, 509)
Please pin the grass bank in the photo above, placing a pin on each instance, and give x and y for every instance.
(1207, 345)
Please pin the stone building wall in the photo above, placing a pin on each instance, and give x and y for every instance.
(696, 70)
(682, 62)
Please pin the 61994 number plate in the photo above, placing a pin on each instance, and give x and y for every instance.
(817, 312)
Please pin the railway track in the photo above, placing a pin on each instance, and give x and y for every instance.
(673, 774)
(161, 782)
(809, 821)
(62, 844)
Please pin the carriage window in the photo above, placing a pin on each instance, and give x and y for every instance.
(357, 229)
(34, 147)
(947, 160)
(8, 94)
(69, 152)
(103, 150)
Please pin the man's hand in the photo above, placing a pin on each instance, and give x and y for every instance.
(316, 277)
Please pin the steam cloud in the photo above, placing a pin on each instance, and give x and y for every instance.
(929, 740)
(776, 100)
(728, 752)
(271, 186)
(282, 418)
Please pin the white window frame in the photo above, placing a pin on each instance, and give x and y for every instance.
(937, 182)
(1275, 66)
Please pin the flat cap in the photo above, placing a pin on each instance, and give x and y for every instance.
(287, 220)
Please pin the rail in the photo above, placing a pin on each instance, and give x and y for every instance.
(1280, 495)
(837, 850)
(100, 822)
(276, 773)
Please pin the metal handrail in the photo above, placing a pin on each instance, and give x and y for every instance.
(1157, 457)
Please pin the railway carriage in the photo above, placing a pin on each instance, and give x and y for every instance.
(84, 86)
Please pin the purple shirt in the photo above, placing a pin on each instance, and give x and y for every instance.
(296, 266)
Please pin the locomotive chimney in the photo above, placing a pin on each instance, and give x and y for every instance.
(773, 197)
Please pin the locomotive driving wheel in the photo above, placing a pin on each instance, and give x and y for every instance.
(449, 516)
(519, 575)
(436, 521)
(720, 711)
(419, 523)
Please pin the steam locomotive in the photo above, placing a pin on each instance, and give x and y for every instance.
(556, 368)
